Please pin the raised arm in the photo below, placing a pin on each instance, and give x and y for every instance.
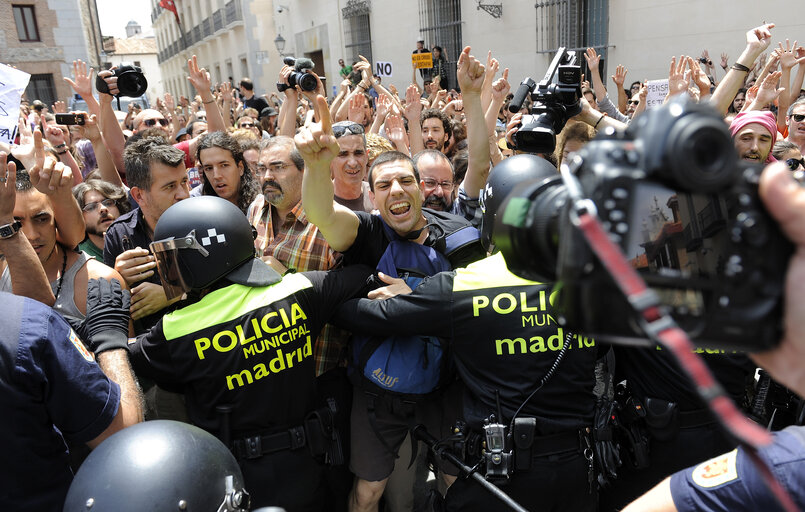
(110, 128)
(757, 40)
(287, 115)
(106, 165)
(788, 59)
(200, 79)
(471, 75)
(620, 78)
(413, 111)
(318, 146)
(82, 85)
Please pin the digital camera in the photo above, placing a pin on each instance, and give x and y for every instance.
(556, 99)
(672, 193)
(301, 75)
(130, 81)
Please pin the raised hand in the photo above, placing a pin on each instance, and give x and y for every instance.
(356, 113)
(501, 87)
(199, 77)
(620, 75)
(724, 60)
(413, 108)
(593, 59)
(767, 91)
(53, 133)
(82, 79)
(59, 107)
(678, 78)
(698, 76)
(383, 106)
(395, 131)
(788, 55)
(759, 38)
(316, 143)
(470, 73)
(170, 105)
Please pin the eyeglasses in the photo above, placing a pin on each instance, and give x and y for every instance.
(262, 169)
(798, 117)
(91, 207)
(431, 183)
(247, 125)
(794, 164)
(340, 130)
(153, 122)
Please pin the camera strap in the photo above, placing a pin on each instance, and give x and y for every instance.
(661, 328)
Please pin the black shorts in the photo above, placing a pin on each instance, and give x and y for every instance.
(369, 458)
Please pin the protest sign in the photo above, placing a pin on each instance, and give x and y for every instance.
(12, 84)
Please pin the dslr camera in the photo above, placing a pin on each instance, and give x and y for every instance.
(130, 81)
(301, 75)
(685, 211)
(556, 99)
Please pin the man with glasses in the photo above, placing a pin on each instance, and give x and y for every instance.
(249, 123)
(101, 203)
(796, 124)
(348, 168)
(442, 193)
(150, 118)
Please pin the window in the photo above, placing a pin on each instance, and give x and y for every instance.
(574, 24)
(358, 34)
(137, 63)
(41, 87)
(25, 18)
(440, 22)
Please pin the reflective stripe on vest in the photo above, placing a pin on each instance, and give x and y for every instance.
(227, 304)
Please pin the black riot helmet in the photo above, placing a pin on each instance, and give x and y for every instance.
(201, 240)
(503, 179)
(159, 466)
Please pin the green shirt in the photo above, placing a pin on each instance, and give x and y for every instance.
(90, 248)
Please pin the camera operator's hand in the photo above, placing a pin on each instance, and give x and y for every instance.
(111, 82)
(311, 95)
(784, 199)
(512, 126)
(290, 92)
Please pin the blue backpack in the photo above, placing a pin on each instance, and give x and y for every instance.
(408, 367)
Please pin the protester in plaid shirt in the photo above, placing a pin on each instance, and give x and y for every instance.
(285, 238)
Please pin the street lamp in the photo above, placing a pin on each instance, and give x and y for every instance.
(279, 42)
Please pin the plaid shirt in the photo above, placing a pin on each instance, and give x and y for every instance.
(300, 247)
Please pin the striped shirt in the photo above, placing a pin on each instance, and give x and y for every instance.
(300, 246)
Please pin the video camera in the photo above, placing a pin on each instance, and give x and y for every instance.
(130, 81)
(672, 193)
(556, 99)
(301, 76)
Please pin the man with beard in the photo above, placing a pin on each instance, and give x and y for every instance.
(436, 129)
(101, 203)
(754, 133)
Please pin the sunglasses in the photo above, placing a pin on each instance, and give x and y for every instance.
(247, 125)
(633, 102)
(794, 164)
(91, 207)
(340, 130)
(798, 117)
(153, 122)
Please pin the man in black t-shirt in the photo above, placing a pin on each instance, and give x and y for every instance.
(249, 99)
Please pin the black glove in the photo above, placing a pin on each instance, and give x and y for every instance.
(107, 323)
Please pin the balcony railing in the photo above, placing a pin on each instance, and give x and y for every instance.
(231, 13)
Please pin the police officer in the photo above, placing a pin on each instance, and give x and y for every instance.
(529, 382)
(240, 347)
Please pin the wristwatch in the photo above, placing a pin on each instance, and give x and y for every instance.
(9, 230)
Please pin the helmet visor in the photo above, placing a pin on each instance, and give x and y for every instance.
(166, 253)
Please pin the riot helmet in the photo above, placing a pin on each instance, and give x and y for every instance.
(201, 240)
(503, 178)
(159, 466)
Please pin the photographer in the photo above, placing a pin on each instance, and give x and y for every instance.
(730, 482)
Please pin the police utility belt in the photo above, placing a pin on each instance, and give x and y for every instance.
(317, 433)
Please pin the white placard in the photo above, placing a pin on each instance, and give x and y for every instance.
(657, 91)
(383, 69)
(12, 84)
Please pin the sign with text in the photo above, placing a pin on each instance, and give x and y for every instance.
(657, 91)
(12, 84)
(383, 69)
(422, 60)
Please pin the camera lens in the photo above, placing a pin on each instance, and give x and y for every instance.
(307, 82)
(701, 154)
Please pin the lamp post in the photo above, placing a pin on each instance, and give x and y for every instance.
(279, 42)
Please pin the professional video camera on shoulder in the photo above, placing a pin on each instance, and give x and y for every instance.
(301, 75)
(556, 99)
(672, 193)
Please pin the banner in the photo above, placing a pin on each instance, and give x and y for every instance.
(12, 84)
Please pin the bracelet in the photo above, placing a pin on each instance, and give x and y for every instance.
(62, 145)
(208, 102)
(740, 67)
(598, 122)
(61, 152)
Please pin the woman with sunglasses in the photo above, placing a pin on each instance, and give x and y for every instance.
(789, 153)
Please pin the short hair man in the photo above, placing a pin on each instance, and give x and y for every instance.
(436, 129)
(754, 133)
(363, 238)
(150, 118)
(157, 177)
(67, 271)
(348, 168)
(249, 99)
(101, 203)
(436, 179)
(795, 119)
